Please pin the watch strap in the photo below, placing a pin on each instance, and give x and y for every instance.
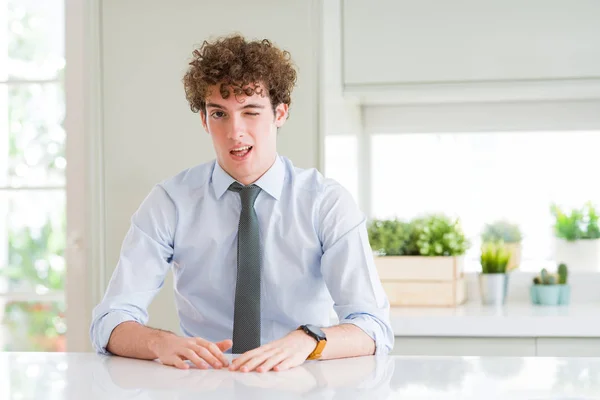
(321, 342)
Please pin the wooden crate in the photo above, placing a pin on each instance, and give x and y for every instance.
(426, 294)
(416, 268)
(413, 281)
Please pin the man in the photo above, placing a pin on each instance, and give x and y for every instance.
(260, 250)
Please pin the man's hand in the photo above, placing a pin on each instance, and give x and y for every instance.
(174, 350)
(285, 353)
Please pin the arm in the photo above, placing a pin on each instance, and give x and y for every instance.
(349, 271)
(139, 275)
(131, 339)
(346, 340)
(118, 322)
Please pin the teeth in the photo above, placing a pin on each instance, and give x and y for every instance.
(242, 148)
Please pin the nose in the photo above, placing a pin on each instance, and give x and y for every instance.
(237, 128)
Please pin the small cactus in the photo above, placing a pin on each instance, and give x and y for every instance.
(545, 276)
(562, 274)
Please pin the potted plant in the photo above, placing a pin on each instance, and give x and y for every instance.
(510, 234)
(438, 235)
(493, 279)
(392, 237)
(420, 261)
(551, 289)
(577, 236)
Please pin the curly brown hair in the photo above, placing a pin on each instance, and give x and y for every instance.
(234, 62)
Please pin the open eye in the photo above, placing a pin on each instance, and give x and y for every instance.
(217, 114)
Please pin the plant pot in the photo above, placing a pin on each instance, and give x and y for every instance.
(515, 256)
(550, 295)
(547, 295)
(533, 294)
(493, 288)
(565, 295)
(419, 268)
(579, 255)
(414, 281)
(426, 294)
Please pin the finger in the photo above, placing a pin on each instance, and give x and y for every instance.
(224, 345)
(272, 361)
(207, 356)
(258, 359)
(191, 355)
(214, 350)
(288, 363)
(241, 360)
(177, 362)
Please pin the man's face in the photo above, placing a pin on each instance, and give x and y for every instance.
(244, 132)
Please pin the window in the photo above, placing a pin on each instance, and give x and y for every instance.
(477, 177)
(480, 177)
(32, 176)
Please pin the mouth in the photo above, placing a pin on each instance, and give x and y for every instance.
(241, 153)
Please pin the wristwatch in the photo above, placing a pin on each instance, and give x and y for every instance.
(316, 333)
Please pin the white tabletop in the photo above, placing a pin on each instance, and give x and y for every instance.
(86, 376)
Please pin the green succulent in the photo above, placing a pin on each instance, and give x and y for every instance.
(562, 274)
(494, 257)
(577, 224)
(501, 230)
(546, 278)
(592, 229)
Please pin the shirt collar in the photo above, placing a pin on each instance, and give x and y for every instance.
(271, 181)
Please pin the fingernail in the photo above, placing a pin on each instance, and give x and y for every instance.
(218, 365)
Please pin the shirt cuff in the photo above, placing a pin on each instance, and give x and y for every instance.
(103, 328)
(372, 327)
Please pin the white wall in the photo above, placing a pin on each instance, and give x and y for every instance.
(420, 41)
(431, 51)
(149, 133)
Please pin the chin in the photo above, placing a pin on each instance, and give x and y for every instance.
(240, 171)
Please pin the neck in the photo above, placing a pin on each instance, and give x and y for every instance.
(250, 179)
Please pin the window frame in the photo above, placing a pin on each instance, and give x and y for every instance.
(393, 118)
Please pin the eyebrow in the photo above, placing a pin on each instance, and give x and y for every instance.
(251, 105)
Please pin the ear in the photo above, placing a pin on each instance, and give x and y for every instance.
(203, 117)
(281, 114)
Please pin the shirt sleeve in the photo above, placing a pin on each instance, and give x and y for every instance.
(348, 267)
(144, 261)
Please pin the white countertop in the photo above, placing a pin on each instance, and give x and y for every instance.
(87, 376)
(511, 320)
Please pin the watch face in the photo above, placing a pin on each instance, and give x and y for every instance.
(316, 331)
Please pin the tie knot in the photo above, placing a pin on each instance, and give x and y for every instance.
(247, 193)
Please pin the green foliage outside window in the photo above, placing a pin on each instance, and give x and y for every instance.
(35, 256)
